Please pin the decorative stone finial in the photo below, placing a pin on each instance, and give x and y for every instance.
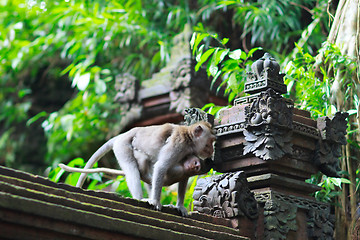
(265, 74)
(268, 126)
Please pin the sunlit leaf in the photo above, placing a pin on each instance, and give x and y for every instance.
(100, 87)
(236, 54)
(82, 81)
(204, 58)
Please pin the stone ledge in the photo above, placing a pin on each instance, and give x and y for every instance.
(37, 205)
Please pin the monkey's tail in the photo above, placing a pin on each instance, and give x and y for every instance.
(94, 158)
(92, 170)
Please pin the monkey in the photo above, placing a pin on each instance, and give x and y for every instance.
(189, 167)
(149, 152)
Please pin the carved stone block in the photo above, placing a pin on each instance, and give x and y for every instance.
(225, 196)
(293, 217)
(268, 126)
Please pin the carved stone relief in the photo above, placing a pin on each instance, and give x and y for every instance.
(193, 115)
(280, 212)
(268, 126)
(127, 87)
(225, 196)
(333, 132)
(320, 225)
(279, 219)
(184, 91)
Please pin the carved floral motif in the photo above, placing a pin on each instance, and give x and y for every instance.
(268, 129)
(279, 219)
(225, 196)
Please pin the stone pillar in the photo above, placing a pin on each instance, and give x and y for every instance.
(278, 146)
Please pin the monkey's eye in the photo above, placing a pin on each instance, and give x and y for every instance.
(196, 166)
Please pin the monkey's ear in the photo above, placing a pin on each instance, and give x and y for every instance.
(198, 131)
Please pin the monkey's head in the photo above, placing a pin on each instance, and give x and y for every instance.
(192, 165)
(195, 166)
(204, 139)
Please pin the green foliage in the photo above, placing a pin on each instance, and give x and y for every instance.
(83, 119)
(312, 83)
(312, 79)
(57, 173)
(226, 68)
(331, 187)
(222, 64)
(273, 24)
(89, 43)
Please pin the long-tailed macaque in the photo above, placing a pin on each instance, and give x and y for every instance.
(149, 152)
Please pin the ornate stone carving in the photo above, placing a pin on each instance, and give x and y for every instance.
(185, 86)
(130, 108)
(280, 212)
(229, 128)
(299, 202)
(127, 87)
(320, 225)
(193, 115)
(265, 74)
(305, 130)
(279, 219)
(301, 153)
(332, 132)
(225, 196)
(268, 128)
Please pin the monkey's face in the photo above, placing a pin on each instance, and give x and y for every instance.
(208, 150)
(192, 166)
(204, 139)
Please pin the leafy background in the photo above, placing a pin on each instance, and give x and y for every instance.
(58, 60)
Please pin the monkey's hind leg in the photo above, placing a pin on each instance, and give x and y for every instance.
(130, 167)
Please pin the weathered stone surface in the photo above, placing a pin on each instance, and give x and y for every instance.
(268, 126)
(264, 75)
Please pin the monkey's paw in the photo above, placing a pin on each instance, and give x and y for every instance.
(156, 204)
(181, 209)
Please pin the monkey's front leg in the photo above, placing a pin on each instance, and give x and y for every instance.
(181, 196)
(160, 170)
